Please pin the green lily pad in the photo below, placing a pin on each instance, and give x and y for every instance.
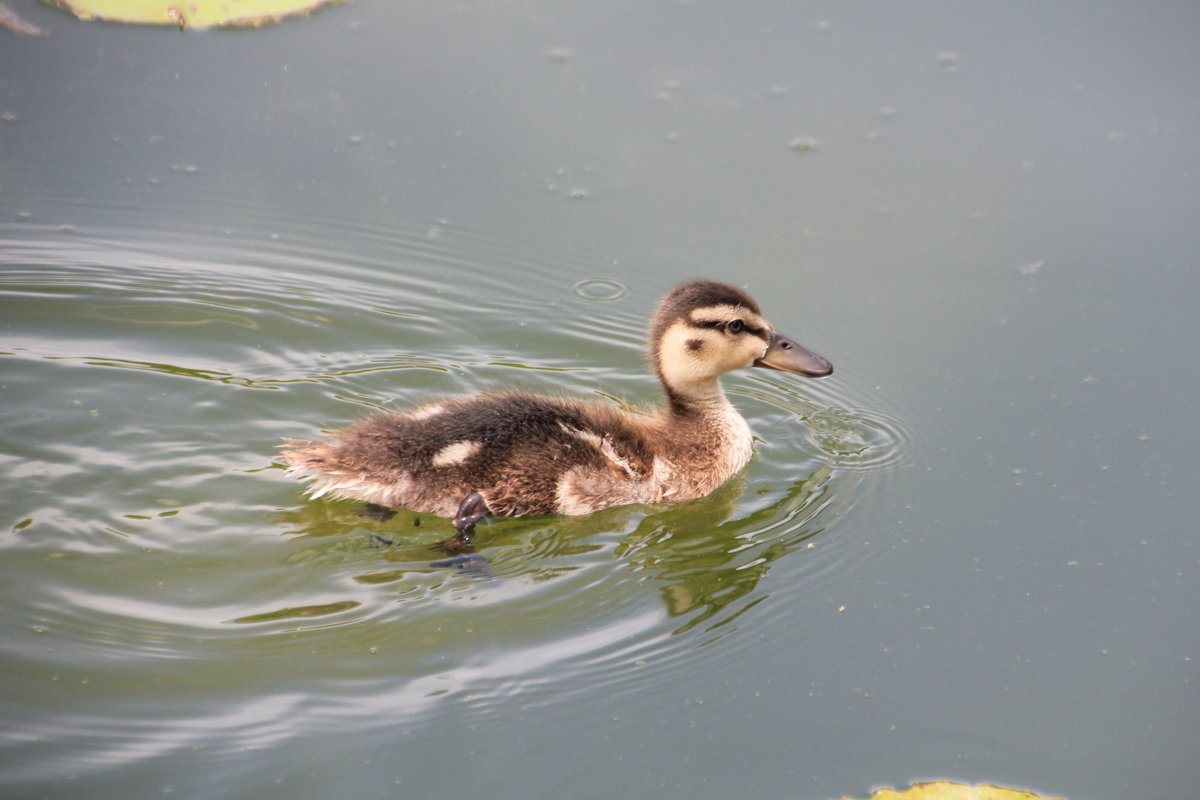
(189, 13)
(942, 790)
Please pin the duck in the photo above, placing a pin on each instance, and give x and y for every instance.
(514, 454)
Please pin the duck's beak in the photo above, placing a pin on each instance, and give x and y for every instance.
(784, 354)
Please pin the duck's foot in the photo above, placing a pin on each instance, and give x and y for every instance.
(470, 511)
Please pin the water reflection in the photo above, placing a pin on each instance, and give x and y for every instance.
(206, 575)
(172, 369)
(300, 612)
(706, 561)
(704, 556)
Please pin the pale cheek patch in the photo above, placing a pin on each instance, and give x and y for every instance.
(681, 362)
(454, 454)
(753, 350)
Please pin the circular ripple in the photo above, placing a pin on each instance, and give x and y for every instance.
(860, 439)
(602, 290)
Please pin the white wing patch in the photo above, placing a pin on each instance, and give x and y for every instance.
(455, 453)
(427, 411)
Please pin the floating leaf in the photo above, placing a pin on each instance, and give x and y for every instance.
(189, 13)
(942, 790)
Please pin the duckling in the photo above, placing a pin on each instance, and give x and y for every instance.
(516, 454)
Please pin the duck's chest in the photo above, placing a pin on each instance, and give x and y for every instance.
(688, 461)
(709, 455)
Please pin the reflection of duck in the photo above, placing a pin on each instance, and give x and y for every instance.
(516, 454)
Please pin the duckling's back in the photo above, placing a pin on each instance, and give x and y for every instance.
(519, 452)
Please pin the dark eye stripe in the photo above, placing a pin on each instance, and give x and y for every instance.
(721, 325)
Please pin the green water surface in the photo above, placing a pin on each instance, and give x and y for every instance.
(969, 554)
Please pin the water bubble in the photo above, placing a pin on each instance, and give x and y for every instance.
(560, 54)
(802, 144)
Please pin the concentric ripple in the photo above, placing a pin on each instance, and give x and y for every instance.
(603, 290)
(861, 439)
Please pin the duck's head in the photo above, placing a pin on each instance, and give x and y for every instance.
(703, 329)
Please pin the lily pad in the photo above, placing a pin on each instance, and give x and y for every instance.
(189, 13)
(942, 790)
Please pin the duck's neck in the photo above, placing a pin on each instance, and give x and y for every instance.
(706, 417)
(695, 397)
(706, 438)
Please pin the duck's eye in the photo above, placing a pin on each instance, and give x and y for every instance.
(735, 326)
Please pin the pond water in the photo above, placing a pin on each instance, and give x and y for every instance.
(971, 553)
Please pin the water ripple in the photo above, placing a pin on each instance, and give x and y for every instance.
(600, 289)
(861, 439)
(165, 544)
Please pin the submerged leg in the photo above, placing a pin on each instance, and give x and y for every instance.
(470, 511)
